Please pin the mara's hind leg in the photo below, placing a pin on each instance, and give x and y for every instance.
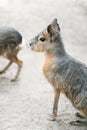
(82, 121)
(6, 68)
(19, 63)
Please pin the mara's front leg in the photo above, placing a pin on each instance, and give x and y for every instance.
(55, 105)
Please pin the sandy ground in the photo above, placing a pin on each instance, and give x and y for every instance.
(27, 104)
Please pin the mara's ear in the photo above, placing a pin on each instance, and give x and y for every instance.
(49, 29)
(53, 27)
(54, 22)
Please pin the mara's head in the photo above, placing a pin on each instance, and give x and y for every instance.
(46, 38)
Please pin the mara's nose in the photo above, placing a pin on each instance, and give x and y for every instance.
(30, 44)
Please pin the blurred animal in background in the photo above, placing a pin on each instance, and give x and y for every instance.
(10, 39)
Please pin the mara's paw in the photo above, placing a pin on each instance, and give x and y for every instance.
(79, 123)
(13, 80)
(79, 115)
(52, 118)
(1, 72)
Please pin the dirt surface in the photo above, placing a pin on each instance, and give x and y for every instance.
(27, 104)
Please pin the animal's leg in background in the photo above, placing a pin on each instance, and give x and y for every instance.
(4, 70)
(19, 63)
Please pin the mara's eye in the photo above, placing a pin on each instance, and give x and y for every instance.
(42, 39)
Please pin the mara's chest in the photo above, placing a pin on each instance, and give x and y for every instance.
(48, 66)
(50, 70)
(55, 71)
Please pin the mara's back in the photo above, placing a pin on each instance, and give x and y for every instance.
(9, 37)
